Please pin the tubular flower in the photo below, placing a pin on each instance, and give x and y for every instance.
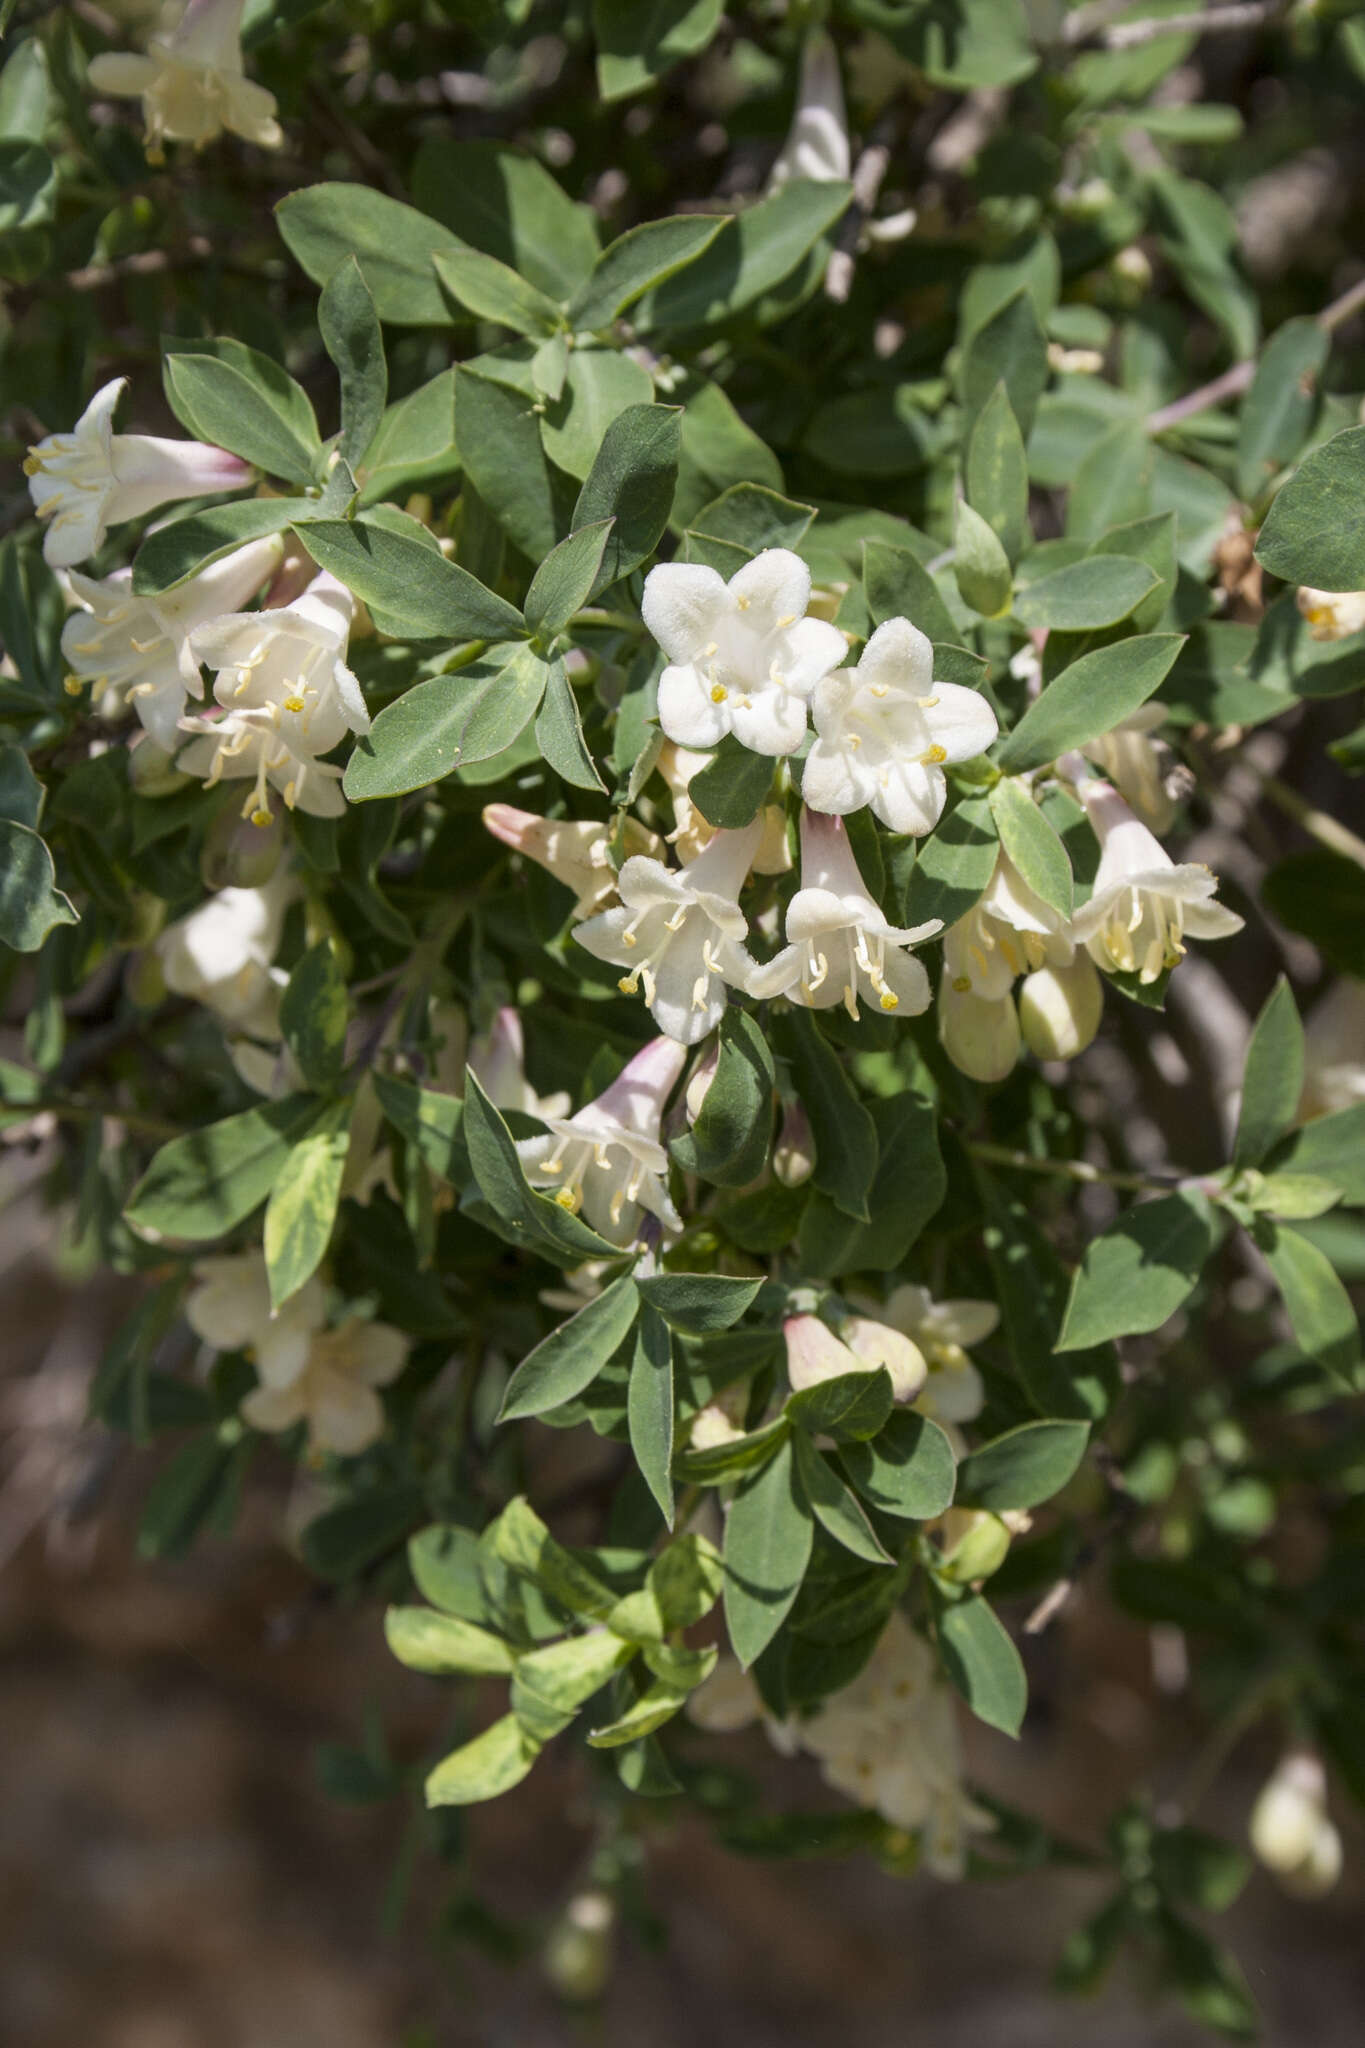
(1130, 757)
(886, 727)
(743, 656)
(980, 1034)
(223, 954)
(86, 481)
(814, 1353)
(840, 945)
(135, 650)
(1011, 931)
(1332, 614)
(608, 1160)
(1143, 906)
(576, 851)
(680, 934)
(245, 745)
(191, 82)
(497, 1062)
(817, 142)
(942, 1330)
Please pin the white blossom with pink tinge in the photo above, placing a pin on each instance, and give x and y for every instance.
(608, 1161)
(1144, 906)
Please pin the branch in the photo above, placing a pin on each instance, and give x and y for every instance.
(1081, 1170)
(1131, 35)
(1232, 383)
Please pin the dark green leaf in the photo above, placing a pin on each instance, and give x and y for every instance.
(350, 332)
(1089, 697)
(566, 579)
(955, 864)
(631, 481)
(1314, 532)
(768, 1536)
(31, 905)
(394, 245)
(641, 258)
(837, 1510)
(573, 1354)
(1320, 1312)
(1138, 1274)
(844, 1132)
(699, 1304)
(1273, 1078)
(236, 413)
(1279, 409)
(314, 1014)
(908, 1470)
(1097, 591)
(1009, 348)
(850, 1408)
(452, 721)
(409, 584)
(1024, 1467)
(649, 1409)
(730, 790)
(983, 1663)
(728, 1143)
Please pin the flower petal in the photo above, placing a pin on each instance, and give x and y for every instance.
(770, 722)
(898, 656)
(681, 603)
(961, 722)
(687, 712)
(776, 583)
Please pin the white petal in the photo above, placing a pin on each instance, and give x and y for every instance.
(687, 713)
(344, 1416)
(912, 797)
(273, 1408)
(962, 1322)
(833, 780)
(121, 74)
(680, 605)
(776, 583)
(774, 977)
(961, 722)
(808, 651)
(908, 982)
(899, 657)
(772, 721)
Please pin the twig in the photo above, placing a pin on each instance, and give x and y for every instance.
(1232, 383)
(1318, 824)
(868, 173)
(1131, 35)
(1081, 1170)
(96, 1112)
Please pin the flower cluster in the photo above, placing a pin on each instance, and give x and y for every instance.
(192, 83)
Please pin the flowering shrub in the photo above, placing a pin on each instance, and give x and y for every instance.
(622, 834)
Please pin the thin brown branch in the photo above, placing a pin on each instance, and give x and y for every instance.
(1232, 383)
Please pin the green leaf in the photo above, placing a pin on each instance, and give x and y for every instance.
(1210, 1984)
(728, 1143)
(638, 260)
(443, 1645)
(659, 1703)
(718, 449)
(1140, 1271)
(394, 244)
(430, 1121)
(236, 413)
(570, 1358)
(768, 1537)
(1272, 1081)
(753, 517)
(844, 1132)
(1031, 1287)
(203, 1184)
(685, 1581)
(1325, 1325)
(1024, 1467)
(838, 1511)
(314, 1014)
(899, 586)
(850, 1408)
(699, 1304)
(549, 1685)
(996, 473)
(504, 458)
(559, 733)
(485, 1768)
(983, 1663)
(444, 1561)
(342, 1542)
(1322, 895)
(493, 291)
(414, 592)
(1279, 410)
(757, 249)
(528, 1217)
(1009, 348)
(638, 40)
(1314, 532)
(1199, 1869)
(1032, 845)
(908, 1470)
(975, 43)
(31, 905)
(523, 1542)
(1089, 697)
(414, 441)
(452, 721)
(723, 1462)
(304, 1193)
(350, 332)
(632, 481)
(907, 1190)
(281, 392)
(28, 184)
(566, 579)
(1095, 592)
(190, 542)
(182, 1497)
(601, 384)
(1333, 1149)
(649, 1408)
(1113, 483)
(731, 789)
(955, 865)
(1150, 540)
(980, 564)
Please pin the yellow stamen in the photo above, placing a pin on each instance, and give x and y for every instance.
(933, 755)
(719, 693)
(73, 685)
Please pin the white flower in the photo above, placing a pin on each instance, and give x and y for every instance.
(576, 851)
(692, 833)
(1009, 932)
(191, 83)
(817, 141)
(680, 933)
(223, 954)
(884, 729)
(840, 945)
(1334, 1050)
(607, 1160)
(743, 656)
(497, 1060)
(86, 481)
(334, 1393)
(288, 697)
(1143, 905)
(1290, 1830)
(136, 649)
(943, 1330)
(726, 1701)
(1332, 614)
(229, 1307)
(814, 1353)
(1130, 758)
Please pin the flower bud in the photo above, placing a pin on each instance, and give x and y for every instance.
(577, 1954)
(976, 1545)
(794, 1153)
(980, 1036)
(1060, 1009)
(1320, 1869)
(1289, 1829)
(703, 1074)
(239, 854)
(152, 771)
(876, 1344)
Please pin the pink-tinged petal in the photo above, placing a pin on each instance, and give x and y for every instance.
(961, 722)
(827, 858)
(815, 1354)
(637, 1096)
(776, 584)
(149, 471)
(807, 652)
(899, 657)
(877, 1344)
(681, 603)
(687, 712)
(774, 977)
(770, 722)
